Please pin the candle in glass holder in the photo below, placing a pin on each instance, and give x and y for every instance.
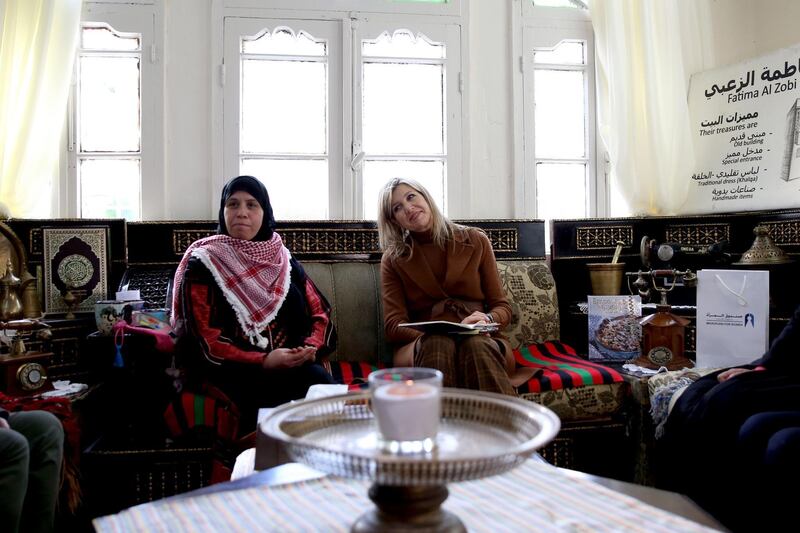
(407, 407)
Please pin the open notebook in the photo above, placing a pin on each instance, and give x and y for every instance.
(443, 327)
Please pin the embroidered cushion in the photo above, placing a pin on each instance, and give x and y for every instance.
(531, 291)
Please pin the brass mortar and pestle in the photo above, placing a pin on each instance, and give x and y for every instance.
(606, 278)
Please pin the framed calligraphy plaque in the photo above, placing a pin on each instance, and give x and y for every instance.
(76, 261)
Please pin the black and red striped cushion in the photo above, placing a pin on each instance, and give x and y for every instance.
(561, 368)
(351, 373)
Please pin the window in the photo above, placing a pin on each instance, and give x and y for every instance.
(284, 97)
(403, 120)
(324, 112)
(558, 126)
(113, 148)
(560, 120)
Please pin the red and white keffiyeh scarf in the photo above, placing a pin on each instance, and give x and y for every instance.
(254, 276)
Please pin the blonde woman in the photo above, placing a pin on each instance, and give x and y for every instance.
(433, 269)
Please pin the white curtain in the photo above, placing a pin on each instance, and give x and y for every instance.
(646, 52)
(37, 47)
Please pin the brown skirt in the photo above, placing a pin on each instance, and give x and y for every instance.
(468, 361)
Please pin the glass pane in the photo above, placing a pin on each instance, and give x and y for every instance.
(298, 189)
(109, 104)
(284, 107)
(110, 188)
(403, 109)
(560, 190)
(560, 114)
(566, 52)
(284, 42)
(105, 38)
(403, 44)
(431, 174)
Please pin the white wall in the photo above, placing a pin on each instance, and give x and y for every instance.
(188, 109)
(489, 107)
(742, 29)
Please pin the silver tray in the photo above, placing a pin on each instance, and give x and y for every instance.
(481, 434)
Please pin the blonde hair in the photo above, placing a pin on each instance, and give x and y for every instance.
(393, 238)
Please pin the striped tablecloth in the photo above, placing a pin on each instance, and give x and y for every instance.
(533, 497)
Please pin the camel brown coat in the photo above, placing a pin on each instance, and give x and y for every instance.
(411, 292)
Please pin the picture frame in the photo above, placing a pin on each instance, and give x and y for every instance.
(76, 261)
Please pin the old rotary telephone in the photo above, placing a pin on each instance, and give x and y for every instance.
(663, 333)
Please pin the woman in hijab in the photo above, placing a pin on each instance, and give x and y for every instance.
(259, 322)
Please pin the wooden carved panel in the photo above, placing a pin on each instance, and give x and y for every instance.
(698, 234)
(602, 237)
(153, 284)
(182, 238)
(331, 241)
(36, 245)
(503, 239)
(785, 232)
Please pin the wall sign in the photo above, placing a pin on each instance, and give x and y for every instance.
(746, 135)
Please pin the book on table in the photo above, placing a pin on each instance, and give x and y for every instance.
(443, 327)
(614, 330)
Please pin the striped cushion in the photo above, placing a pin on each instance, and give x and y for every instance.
(561, 368)
(575, 389)
(351, 373)
(190, 411)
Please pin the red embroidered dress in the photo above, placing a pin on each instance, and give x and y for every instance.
(216, 322)
(302, 320)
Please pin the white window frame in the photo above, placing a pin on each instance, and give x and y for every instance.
(239, 26)
(345, 191)
(446, 33)
(536, 26)
(146, 18)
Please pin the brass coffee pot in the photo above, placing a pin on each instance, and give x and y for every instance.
(10, 288)
(31, 306)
